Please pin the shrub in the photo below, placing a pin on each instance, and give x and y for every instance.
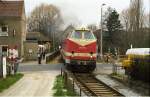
(140, 69)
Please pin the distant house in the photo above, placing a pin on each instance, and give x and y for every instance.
(12, 26)
(35, 40)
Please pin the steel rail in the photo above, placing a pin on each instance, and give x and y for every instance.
(95, 86)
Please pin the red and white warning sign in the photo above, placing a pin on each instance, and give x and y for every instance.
(13, 53)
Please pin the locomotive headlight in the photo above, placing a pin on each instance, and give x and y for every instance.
(91, 53)
(72, 53)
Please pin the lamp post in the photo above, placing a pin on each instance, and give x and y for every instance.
(101, 34)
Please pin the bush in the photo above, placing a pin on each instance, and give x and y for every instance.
(140, 69)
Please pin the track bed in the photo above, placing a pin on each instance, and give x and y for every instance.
(93, 87)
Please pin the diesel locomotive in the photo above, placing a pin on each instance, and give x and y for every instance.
(79, 51)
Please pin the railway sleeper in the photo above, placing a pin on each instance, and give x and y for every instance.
(99, 92)
(86, 78)
(90, 81)
(104, 90)
(86, 91)
(106, 95)
(83, 88)
(98, 87)
(93, 84)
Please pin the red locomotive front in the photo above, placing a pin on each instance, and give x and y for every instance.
(79, 51)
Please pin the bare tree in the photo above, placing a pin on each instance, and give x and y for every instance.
(125, 20)
(46, 19)
(136, 13)
(136, 25)
(133, 21)
(125, 17)
(92, 27)
(147, 20)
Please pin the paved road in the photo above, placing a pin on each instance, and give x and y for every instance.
(34, 67)
(107, 68)
(38, 80)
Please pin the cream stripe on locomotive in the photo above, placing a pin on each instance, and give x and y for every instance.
(78, 54)
(83, 42)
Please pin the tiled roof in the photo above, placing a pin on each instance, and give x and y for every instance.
(36, 36)
(11, 8)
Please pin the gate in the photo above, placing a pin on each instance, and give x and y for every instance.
(3, 52)
(0, 61)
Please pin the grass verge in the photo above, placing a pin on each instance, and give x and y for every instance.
(10, 80)
(119, 77)
(60, 89)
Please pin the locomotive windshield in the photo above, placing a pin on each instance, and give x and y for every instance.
(88, 35)
(77, 35)
(82, 35)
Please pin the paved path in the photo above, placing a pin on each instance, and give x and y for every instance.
(125, 90)
(38, 80)
(102, 72)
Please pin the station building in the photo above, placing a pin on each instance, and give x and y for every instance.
(34, 41)
(12, 26)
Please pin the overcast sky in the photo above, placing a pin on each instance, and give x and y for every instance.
(83, 11)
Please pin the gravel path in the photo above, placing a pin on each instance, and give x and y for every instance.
(38, 80)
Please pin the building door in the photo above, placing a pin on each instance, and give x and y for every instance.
(4, 50)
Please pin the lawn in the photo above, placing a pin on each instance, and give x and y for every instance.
(10, 80)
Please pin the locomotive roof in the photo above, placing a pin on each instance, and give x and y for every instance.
(138, 51)
(82, 29)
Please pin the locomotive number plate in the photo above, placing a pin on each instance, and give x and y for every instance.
(82, 62)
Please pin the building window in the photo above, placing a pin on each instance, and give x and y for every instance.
(14, 32)
(4, 30)
(4, 50)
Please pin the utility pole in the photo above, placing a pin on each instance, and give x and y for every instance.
(53, 31)
(149, 16)
(101, 34)
(53, 40)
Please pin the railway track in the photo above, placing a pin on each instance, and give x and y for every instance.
(93, 87)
